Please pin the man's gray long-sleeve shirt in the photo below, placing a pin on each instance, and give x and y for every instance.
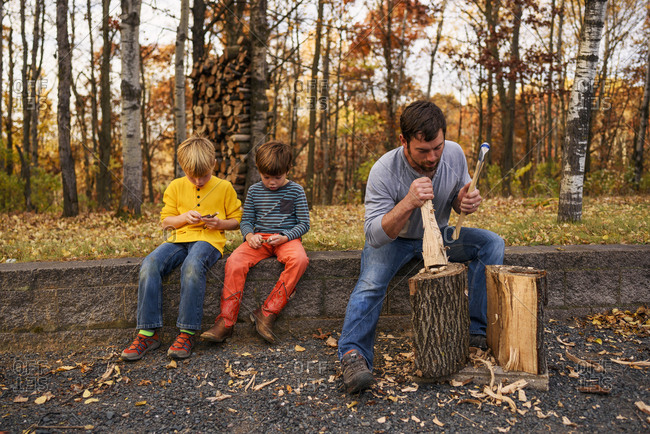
(389, 182)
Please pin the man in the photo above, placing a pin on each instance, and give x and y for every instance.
(424, 167)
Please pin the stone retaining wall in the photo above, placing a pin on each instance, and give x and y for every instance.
(47, 297)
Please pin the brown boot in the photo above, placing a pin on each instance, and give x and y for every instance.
(219, 332)
(264, 324)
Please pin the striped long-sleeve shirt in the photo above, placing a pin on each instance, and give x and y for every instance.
(283, 211)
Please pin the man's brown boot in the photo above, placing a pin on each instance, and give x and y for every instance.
(219, 332)
(264, 324)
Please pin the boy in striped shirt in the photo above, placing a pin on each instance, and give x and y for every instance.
(275, 216)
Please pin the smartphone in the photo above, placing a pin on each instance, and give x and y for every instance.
(209, 216)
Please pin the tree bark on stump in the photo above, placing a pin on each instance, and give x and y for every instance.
(440, 317)
(515, 329)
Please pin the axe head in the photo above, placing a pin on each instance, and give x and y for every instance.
(485, 147)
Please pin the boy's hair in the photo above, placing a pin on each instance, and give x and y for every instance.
(422, 120)
(273, 158)
(196, 156)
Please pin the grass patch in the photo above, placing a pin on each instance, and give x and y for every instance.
(521, 222)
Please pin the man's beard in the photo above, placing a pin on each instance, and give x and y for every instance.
(426, 170)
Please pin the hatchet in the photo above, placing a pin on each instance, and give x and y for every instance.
(485, 147)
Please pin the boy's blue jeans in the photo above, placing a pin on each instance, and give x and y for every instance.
(379, 265)
(197, 258)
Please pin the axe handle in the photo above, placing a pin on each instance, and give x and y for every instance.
(472, 187)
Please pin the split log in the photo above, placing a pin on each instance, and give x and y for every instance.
(440, 317)
(433, 249)
(516, 297)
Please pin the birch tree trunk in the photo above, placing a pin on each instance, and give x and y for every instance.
(577, 129)
(103, 176)
(131, 198)
(643, 126)
(68, 177)
(260, 104)
(180, 118)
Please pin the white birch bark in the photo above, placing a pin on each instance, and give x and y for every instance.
(579, 114)
(180, 117)
(131, 198)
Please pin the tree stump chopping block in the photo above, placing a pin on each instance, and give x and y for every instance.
(516, 297)
(440, 317)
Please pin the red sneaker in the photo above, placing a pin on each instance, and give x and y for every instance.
(182, 346)
(140, 346)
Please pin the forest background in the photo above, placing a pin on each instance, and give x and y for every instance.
(336, 75)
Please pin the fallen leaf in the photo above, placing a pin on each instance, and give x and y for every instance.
(246, 354)
(620, 417)
(506, 429)
(643, 406)
(437, 422)
(89, 427)
(172, 364)
(299, 349)
(91, 400)
(415, 419)
(352, 404)
(382, 419)
(44, 398)
(87, 393)
(19, 399)
(392, 398)
(566, 421)
(232, 410)
(597, 390)
(65, 368)
(331, 342)
(140, 403)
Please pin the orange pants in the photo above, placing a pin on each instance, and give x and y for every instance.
(291, 254)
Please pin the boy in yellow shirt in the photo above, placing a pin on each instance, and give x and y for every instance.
(198, 208)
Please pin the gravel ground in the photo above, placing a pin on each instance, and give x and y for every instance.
(246, 385)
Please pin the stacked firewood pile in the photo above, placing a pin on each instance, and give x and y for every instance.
(223, 109)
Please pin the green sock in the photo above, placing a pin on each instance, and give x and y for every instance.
(189, 332)
(147, 333)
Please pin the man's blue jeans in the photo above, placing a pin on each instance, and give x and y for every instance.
(197, 258)
(379, 265)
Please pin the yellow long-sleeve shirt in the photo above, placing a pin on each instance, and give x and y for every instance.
(217, 195)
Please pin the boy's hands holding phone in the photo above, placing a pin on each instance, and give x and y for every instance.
(255, 241)
(192, 217)
(212, 221)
